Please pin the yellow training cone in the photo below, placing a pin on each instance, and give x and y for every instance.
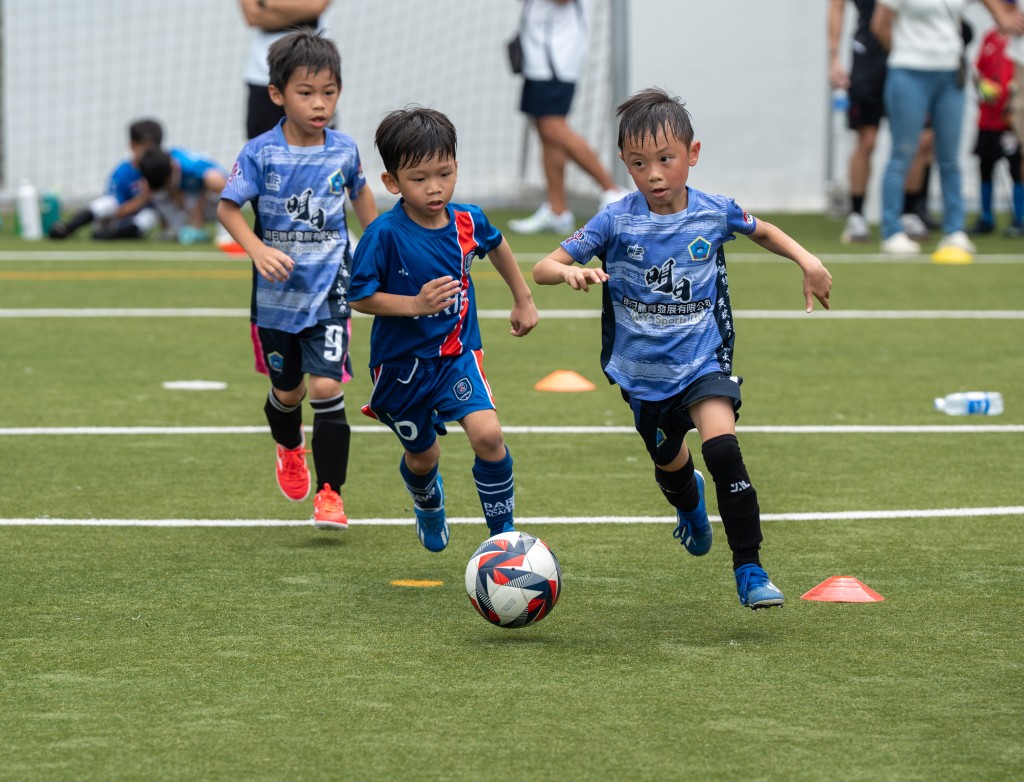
(564, 380)
(952, 255)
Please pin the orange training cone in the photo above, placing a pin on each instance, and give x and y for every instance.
(564, 380)
(842, 589)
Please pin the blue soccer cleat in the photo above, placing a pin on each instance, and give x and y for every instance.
(431, 525)
(694, 529)
(507, 526)
(755, 588)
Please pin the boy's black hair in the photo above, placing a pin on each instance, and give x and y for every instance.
(304, 48)
(155, 167)
(146, 131)
(651, 111)
(407, 137)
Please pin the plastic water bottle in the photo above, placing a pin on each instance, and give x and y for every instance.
(971, 403)
(49, 207)
(30, 222)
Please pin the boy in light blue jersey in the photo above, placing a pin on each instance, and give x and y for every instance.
(186, 187)
(296, 176)
(411, 271)
(667, 336)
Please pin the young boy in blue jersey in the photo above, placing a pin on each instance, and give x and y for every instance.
(123, 211)
(411, 271)
(296, 175)
(185, 187)
(668, 324)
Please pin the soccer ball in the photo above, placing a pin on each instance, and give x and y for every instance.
(513, 579)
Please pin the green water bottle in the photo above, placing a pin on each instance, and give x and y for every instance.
(49, 209)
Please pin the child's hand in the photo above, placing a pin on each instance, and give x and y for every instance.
(273, 265)
(524, 318)
(578, 277)
(436, 295)
(817, 285)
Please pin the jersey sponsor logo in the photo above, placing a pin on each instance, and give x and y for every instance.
(748, 218)
(300, 208)
(635, 252)
(577, 235)
(700, 249)
(463, 389)
(272, 181)
(336, 183)
(661, 279)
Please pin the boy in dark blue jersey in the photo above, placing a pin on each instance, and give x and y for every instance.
(411, 271)
(668, 325)
(297, 175)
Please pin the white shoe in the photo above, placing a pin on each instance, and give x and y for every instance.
(544, 220)
(856, 230)
(959, 240)
(914, 226)
(609, 197)
(900, 244)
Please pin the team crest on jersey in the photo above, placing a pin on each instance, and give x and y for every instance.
(275, 361)
(577, 236)
(635, 252)
(463, 389)
(700, 249)
(299, 208)
(336, 182)
(748, 218)
(663, 280)
(272, 181)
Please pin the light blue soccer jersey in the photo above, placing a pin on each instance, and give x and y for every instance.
(397, 255)
(193, 168)
(125, 182)
(666, 316)
(299, 197)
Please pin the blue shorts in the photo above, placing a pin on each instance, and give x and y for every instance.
(547, 98)
(321, 349)
(415, 397)
(664, 424)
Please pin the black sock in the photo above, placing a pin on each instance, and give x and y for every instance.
(857, 204)
(81, 218)
(737, 500)
(285, 422)
(331, 438)
(679, 487)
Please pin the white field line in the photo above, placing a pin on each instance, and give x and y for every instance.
(867, 515)
(22, 256)
(62, 431)
(791, 314)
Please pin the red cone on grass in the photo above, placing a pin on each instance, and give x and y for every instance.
(842, 589)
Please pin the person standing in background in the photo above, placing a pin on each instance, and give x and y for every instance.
(554, 40)
(270, 20)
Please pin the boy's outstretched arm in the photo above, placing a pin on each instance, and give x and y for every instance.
(273, 265)
(365, 207)
(817, 280)
(559, 267)
(524, 315)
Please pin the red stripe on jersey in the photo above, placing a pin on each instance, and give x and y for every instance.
(452, 345)
(478, 357)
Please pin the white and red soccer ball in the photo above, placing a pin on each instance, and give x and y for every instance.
(513, 579)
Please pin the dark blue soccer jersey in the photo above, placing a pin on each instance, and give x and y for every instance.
(666, 319)
(396, 255)
(125, 182)
(299, 196)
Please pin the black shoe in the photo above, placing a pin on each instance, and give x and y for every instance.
(59, 231)
(981, 227)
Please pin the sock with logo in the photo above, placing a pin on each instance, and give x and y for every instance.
(737, 500)
(422, 488)
(496, 487)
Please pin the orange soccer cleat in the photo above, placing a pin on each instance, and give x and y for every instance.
(292, 472)
(328, 510)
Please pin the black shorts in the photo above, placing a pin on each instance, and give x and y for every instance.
(664, 424)
(867, 89)
(547, 98)
(995, 144)
(321, 350)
